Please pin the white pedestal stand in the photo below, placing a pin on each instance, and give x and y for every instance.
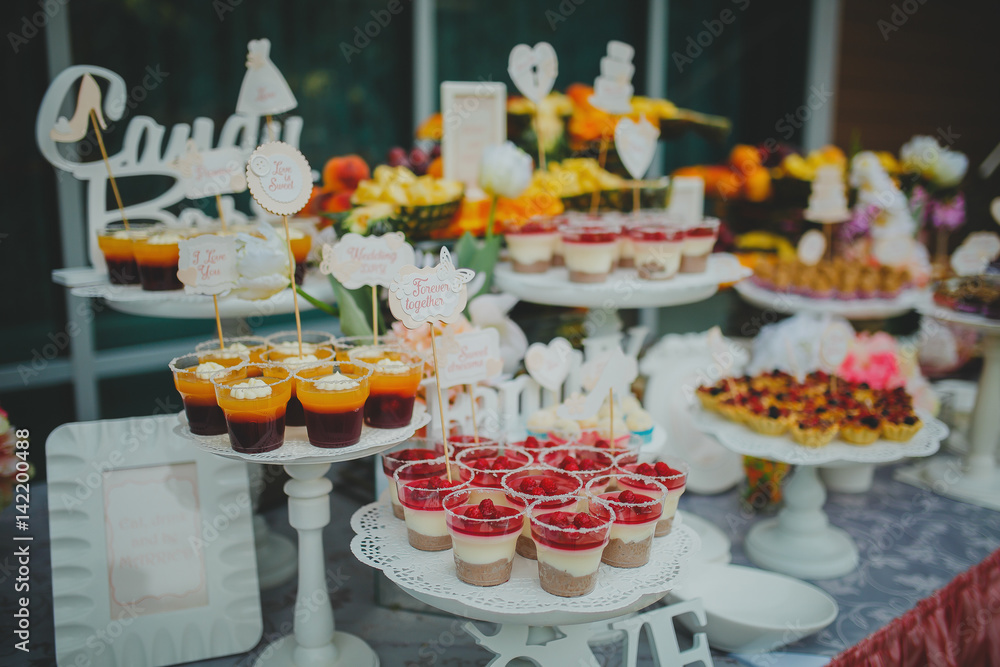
(800, 541)
(315, 641)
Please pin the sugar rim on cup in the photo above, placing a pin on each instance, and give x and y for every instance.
(459, 459)
(533, 519)
(468, 491)
(653, 502)
(293, 336)
(527, 497)
(392, 347)
(670, 460)
(190, 370)
(262, 366)
(331, 363)
(401, 484)
(212, 345)
(575, 447)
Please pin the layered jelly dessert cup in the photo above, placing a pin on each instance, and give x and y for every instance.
(484, 468)
(525, 486)
(394, 384)
(333, 402)
(699, 239)
(658, 251)
(117, 244)
(157, 256)
(294, 362)
(301, 243)
(252, 347)
(483, 537)
(193, 375)
(423, 506)
(584, 463)
(636, 515)
(535, 446)
(459, 443)
(415, 450)
(532, 245)
(569, 544)
(343, 345)
(254, 406)
(590, 251)
(286, 343)
(671, 472)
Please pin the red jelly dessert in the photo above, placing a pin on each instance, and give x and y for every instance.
(423, 508)
(483, 537)
(673, 477)
(459, 443)
(523, 487)
(636, 515)
(569, 546)
(586, 463)
(486, 466)
(421, 450)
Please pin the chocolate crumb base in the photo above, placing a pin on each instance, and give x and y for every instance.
(489, 574)
(526, 547)
(427, 543)
(691, 264)
(557, 260)
(663, 527)
(561, 583)
(626, 262)
(627, 554)
(397, 511)
(583, 277)
(541, 266)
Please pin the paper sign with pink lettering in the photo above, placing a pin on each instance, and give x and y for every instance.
(208, 264)
(610, 373)
(470, 357)
(549, 365)
(432, 294)
(834, 343)
(264, 91)
(358, 260)
(208, 173)
(279, 178)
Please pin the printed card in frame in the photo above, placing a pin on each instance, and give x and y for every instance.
(473, 116)
(152, 547)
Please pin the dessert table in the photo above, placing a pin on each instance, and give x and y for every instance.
(911, 542)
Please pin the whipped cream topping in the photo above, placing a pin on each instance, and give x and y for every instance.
(336, 382)
(297, 361)
(252, 388)
(392, 366)
(121, 234)
(206, 370)
(292, 347)
(165, 238)
(231, 351)
(294, 233)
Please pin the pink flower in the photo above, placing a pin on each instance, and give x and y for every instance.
(873, 359)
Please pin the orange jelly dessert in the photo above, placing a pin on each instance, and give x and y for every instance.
(252, 347)
(193, 375)
(157, 256)
(117, 245)
(396, 377)
(254, 407)
(290, 358)
(333, 399)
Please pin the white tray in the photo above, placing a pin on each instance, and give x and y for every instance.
(852, 309)
(984, 324)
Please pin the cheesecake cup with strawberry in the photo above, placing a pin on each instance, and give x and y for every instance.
(590, 251)
(423, 506)
(671, 472)
(658, 251)
(569, 544)
(483, 537)
(485, 467)
(636, 516)
(699, 239)
(535, 446)
(532, 245)
(459, 443)
(415, 450)
(556, 490)
(584, 463)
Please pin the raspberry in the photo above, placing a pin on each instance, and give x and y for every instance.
(590, 464)
(626, 497)
(549, 486)
(646, 469)
(536, 491)
(584, 521)
(531, 442)
(602, 443)
(664, 470)
(439, 483)
(487, 509)
(501, 463)
(567, 460)
(528, 485)
(473, 513)
(481, 464)
(560, 519)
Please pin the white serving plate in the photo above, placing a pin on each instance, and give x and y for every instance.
(753, 611)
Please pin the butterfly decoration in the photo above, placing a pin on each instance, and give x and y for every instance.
(433, 293)
(447, 273)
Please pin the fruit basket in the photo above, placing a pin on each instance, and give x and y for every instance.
(417, 222)
(652, 194)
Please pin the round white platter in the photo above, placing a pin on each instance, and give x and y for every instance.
(984, 324)
(622, 289)
(852, 309)
(430, 577)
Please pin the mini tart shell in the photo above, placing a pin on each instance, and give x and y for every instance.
(708, 401)
(766, 425)
(813, 437)
(900, 432)
(858, 435)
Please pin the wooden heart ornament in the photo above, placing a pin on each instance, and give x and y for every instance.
(811, 248)
(636, 145)
(533, 69)
(549, 365)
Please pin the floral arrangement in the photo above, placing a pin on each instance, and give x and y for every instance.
(8, 460)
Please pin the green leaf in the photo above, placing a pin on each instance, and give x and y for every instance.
(483, 260)
(325, 307)
(353, 320)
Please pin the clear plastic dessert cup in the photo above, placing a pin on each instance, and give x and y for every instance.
(483, 537)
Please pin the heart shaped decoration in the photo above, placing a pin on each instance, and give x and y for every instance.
(549, 365)
(636, 145)
(812, 247)
(533, 69)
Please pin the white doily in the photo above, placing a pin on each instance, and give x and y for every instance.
(743, 440)
(859, 309)
(297, 448)
(381, 543)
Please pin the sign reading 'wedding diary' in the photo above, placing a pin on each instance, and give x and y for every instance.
(358, 260)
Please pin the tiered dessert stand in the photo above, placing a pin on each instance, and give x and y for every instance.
(520, 606)
(851, 309)
(314, 641)
(977, 479)
(800, 541)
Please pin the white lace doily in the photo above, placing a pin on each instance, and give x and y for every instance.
(743, 440)
(297, 448)
(381, 543)
(857, 309)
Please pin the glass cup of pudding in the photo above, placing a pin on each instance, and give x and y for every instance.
(252, 347)
(671, 472)
(569, 544)
(394, 384)
(254, 406)
(157, 255)
(283, 348)
(584, 463)
(590, 251)
(636, 516)
(532, 244)
(699, 239)
(117, 244)
(657, 251)
(485, 467)
(193, 375)
(423, 506)
(415, 450)
(333, 401)
(301, 243)
(483, 537)
(525, 486)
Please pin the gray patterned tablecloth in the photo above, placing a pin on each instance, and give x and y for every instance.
(912, 542)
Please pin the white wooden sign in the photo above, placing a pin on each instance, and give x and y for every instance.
(432, 294)
(811, 248)
(208, 264)
(358, 260)
(471, 357)
(264, 90)
(473, 116)
(611, 373)
(218, 171)
(549, 365)
(636, 145)
(279, 178)
(533, 70)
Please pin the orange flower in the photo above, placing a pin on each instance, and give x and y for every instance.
(431, 128)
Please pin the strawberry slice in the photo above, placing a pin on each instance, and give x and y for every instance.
(487, 509)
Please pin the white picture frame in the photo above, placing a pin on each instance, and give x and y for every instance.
(182, 585)
(473, 117)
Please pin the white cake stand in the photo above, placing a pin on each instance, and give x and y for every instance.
(314, 642)
(977, 479)
(800, 541)
(430, 577)
(852, 309)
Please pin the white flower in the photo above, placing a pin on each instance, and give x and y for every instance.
(490, 310)
(262, 264)
(919, 153)
(949, 170)
(923, 155)
(505, 170)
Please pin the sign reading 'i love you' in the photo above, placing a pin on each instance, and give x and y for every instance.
(279, 178)
(207, 264)
(432, 294)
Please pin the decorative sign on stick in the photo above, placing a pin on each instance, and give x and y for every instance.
(470, 357)
(636, 145)
(549, 365)
(811, 248)
(211, 173)
(474, 116)
(264, 91)
(611, 374)
(533, 69)
(208, 264)
(613, 87)
(358, 260)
